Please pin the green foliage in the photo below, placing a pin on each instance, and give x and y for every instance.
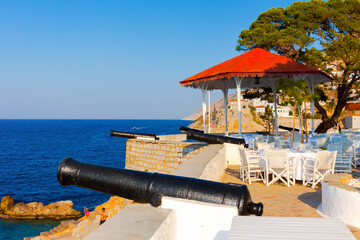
(253, 114)
(268, 114)
(262, 93)
(293, 92)
(248, 94)
(267, 117)
(321, 34)
(252, 108)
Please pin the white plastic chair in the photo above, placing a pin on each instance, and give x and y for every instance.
(314, 171)
(343, 159)
(250, 169)
(320, 142)
(335, 147)
(278, 165)
(261, 146)
(300, 146)
(280, 142)
(348, 148)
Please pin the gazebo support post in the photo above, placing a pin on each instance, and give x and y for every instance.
(225, 92)
(310, 82)
(203, 87)
(239, 97)
(209, 109)
(300, 121)
(273, 84)
(312, 109)
(203, 91)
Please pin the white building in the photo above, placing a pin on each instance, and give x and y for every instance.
(258, 102)
(281, 110)
(260, 110)
(232, 104)
(352, 121)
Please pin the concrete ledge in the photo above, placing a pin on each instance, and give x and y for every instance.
(138, 222)
(174, 137)
(233, 153)
(199, 220)
(209, 164)
(340, 200)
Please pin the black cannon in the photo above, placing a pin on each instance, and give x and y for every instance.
(133, 135)
(147, 187)
(214, 139)
(186, 129)
(288, 128)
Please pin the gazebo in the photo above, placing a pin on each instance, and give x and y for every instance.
(256, 68)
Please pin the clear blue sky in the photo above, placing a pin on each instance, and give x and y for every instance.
(113, 59)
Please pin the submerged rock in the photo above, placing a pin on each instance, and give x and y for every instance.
(37, 210)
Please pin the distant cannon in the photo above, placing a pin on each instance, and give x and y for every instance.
(214, 139)
(288, 128)
(147, 187)
(186, 129)
(133, 135)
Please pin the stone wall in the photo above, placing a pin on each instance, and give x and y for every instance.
(288, 122)
(159, 156)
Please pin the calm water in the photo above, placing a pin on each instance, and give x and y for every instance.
(31, 150)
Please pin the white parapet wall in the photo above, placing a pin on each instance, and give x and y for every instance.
(340, 200)
(138, 222)
(209, 164)
(181, 219)
(198, 220)
(232, 153)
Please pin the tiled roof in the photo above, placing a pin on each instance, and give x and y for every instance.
(352, 106)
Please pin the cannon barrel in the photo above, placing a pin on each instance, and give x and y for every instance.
(147, 187)
(214, 139)
(186, 129)
(133, 135)
(288, 128)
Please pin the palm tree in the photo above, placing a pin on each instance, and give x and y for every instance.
(294, 93)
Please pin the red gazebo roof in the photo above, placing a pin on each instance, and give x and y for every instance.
(257, 62)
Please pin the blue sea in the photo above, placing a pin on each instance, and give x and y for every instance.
(31, 150)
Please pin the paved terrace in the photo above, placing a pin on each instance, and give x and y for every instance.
(281, 201)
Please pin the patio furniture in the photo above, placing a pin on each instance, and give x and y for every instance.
(320, 142)
(315, 171)
(348, 147)
(300, 146)
(261, 146)
(270, 228)
(249, 167)
(298, 159)
(280, 142)
(279, 167)
(343, 160)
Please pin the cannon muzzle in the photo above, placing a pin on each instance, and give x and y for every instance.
(214, 139)
(147, 187)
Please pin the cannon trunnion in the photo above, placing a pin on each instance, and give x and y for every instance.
(147, 187)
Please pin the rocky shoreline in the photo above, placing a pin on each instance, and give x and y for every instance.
(37, 210)
(78, 229)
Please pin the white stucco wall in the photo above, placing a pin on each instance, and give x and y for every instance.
(208, 164)
(215, 167)
(352, 122)
(188, 219)
(341, 203)
(232, 153)
(138, 222)
(197, 220)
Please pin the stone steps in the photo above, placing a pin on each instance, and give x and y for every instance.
(63, 231)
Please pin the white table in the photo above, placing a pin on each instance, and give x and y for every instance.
(296, 157)
(261, 228)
